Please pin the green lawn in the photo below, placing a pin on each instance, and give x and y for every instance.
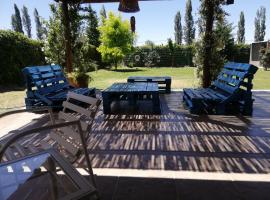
(181, 78)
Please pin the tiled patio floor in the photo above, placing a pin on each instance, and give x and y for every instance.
(181, 156)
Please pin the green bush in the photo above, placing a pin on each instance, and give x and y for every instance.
(16, 52)
(160, 56)
(265, 58)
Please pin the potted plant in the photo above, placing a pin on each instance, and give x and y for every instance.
(72, 79)
(82, 79)
(79, 78)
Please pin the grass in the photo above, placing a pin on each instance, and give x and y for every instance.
(11, 100)
(181, 78)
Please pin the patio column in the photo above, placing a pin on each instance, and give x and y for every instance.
(208, 41)
(67, 33)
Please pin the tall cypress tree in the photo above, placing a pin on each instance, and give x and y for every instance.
(260, 25)
(103, 14)
(263, 21)
(241, 29)
(178, 32)
(16, 20)
(26, 21)
(39, 29)
(257, 27)
(92, 27)
(189, 30)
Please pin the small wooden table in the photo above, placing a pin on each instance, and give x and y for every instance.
(161, 80)
(45, 175)
(131, 92)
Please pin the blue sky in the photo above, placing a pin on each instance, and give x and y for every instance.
(154, 21)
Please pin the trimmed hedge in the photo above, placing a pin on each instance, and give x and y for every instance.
(161, 56)
(241, 54)
(16, 52)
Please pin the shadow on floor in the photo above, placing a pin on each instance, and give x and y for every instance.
(126, 188)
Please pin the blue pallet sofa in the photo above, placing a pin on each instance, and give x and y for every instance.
(230, 93)
(48, 86)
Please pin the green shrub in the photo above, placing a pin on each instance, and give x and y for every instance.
(265, 58)
(16, 52)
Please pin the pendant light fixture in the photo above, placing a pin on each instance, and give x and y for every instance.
(129, 6)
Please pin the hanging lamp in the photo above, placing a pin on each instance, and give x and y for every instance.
(129, 6)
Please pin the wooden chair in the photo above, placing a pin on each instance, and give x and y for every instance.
(76, 107)
(230, 93)
(67, 139)
(55, 129)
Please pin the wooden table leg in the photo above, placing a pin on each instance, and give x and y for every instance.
(106, 103)
(168, 86)
(156, 103)
(131, 99)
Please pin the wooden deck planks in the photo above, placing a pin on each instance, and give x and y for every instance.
(177, 140)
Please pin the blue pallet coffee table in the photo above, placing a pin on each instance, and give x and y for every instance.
(131, 92)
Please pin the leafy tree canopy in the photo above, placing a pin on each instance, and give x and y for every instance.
(116, 39)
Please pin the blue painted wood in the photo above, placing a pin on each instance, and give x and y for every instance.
(48, 86)
(161, 80)
(231, 89)
(131, 92)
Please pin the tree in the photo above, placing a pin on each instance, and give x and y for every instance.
(39, 28)
(225, 41)
(263, 25)
(54, 47)
(257, 27)
(189, 30)
(26, 21)
(241, 29)
(149, 43)
(265, 58)
(16, 20)
(260, 25)
(103, 14)
(209, 56)
(171, 48)
(116, 39)
(178, 32)
(92, 31)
